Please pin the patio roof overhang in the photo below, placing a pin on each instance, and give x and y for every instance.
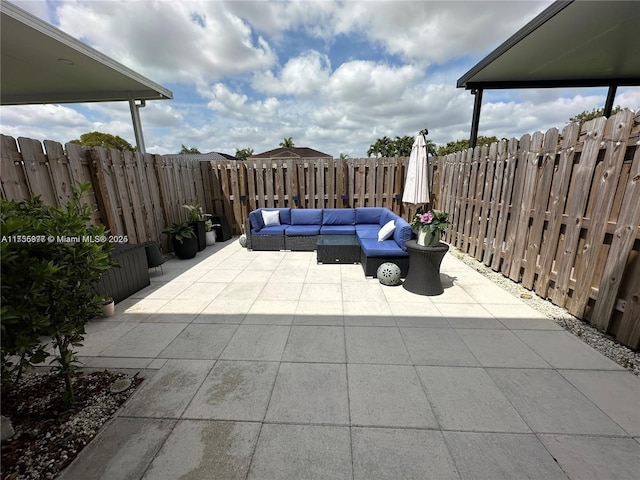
(572, 43)
(41, 64)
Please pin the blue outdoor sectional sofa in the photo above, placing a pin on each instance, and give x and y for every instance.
(299, 229)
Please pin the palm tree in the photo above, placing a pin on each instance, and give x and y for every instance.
(243, 153)
(185, 149)
(287, 143)
(403, 146)
(431, 148)
(382, 147)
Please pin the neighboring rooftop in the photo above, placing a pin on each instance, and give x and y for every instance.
(292, 152)
(206, 157)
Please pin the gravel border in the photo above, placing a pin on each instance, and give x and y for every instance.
(603, 343)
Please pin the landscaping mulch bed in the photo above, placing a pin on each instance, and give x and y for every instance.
(48, 435)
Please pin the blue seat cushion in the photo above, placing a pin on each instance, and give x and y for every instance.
(272, 230)
(298, 230)
(338, 216)
(387, 248)
(369, 214)
(367, 230)
(337, 230)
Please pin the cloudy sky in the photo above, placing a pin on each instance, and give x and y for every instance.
(334, 76)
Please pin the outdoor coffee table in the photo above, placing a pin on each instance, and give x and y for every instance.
(338, 249)
(423, 276)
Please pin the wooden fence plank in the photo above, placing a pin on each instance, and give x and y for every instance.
(528, 197)
(508, 181)
(539, 207)
(617, 130)
(579, 193)
(557, 204)
(13, 180)
(477, 200)
(472, 160)
(36, 169)
(463, 199)
(151, 199)
(629, 331)
(134, 192)
(456, 186)
(496, 154)
(59, 171)
(122, 196)
(621, 247)
(485, 203)
(516, 201)
(104, 188)
(235, 194)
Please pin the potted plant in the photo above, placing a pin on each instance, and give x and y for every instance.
(196, 217)
(183, 239)
(430, 227)
(108, 307)
(210, 233)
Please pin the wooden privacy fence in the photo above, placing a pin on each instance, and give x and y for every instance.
(132, 195)
(238, 187)
(559, 213)
(138, 196)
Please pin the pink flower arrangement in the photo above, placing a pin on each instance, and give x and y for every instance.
(433, 221)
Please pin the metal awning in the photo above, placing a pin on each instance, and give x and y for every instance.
(572, 43)
(42, 64)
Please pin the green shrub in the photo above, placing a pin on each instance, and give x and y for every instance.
(52, 258)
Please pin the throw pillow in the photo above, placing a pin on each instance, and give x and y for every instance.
(387, 230)
(271, 217)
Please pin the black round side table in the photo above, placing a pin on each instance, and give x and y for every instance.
(423, 277)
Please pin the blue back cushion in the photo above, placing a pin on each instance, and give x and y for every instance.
(386, 216)
(338, 216)
(369, 215)
(285, 215)
(306, 216)
(402, 233)
(255, 218)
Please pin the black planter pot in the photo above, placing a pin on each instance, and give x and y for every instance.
(200, 231)
(187, 249)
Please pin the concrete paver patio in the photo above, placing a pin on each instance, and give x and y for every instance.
(265, 365)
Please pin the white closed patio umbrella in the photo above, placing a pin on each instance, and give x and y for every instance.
(417, 184)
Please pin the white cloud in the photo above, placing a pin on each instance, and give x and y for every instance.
(300, 76)
(169, 41)
(335, 76)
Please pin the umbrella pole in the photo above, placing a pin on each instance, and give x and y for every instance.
(424, 134)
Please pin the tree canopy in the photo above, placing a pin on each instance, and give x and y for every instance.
(399, 147)
(104, 140)
(184, 150)
(287, 143)
(459, 145)
(590, 115)
(243, 153)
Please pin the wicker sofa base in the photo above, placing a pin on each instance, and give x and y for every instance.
(303, 243)
(266, 242)
(370, 264)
